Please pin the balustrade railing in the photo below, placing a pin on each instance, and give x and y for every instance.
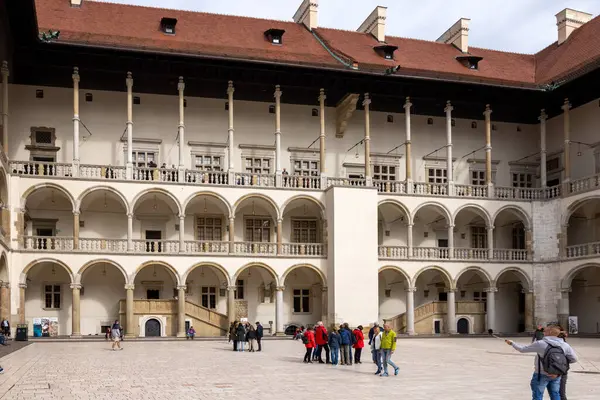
(303, 249)
(156, 246)
(390, 186)
(393, 252)
(206, 178)
(47, 243)
(109, 172)
(103, 245)
(38, 168)
(517, 193)
(301, 182)
(583, 250)
(510, 255)
(332, 181)
(584, 184)
(430, 189)
(471, 191)
(470, 254)
(431, 253)
(255, 248)
(155, 174)
(250, 179)
(201, 247)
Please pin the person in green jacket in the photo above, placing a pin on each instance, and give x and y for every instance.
(388, 347)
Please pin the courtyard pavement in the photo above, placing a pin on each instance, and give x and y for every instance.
(448, 369)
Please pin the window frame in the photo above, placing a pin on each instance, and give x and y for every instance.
(134, 157)
(293, 235)
(206, 216)
(379, 175)
(239, 284)
(309, 171)
(302, 295)
(52, 293)
(210, 295)
(522, 181)
(479, 236)
(258, 218)
(212, 166)
(443, 179)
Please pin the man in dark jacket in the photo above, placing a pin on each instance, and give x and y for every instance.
(371, 331)
(346, 339)
(259, 335)
(538, 334)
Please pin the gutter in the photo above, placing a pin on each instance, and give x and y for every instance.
(331, 53)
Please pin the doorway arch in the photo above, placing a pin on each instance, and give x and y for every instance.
(152, 328)
(462, 326)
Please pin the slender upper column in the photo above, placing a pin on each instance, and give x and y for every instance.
(451, 311)
(366, 103)
(129, 83)
(322, 98)
(76, 313)
(76, 80)
(567, 131)
(491, 307)
(490, 241)
(181, 126)
(230, 91)
(76, 230)
(5, 299)
(181, 311)
(231, 233)
(529, 320)
(488, 144)
(407, 106)
(324, 305)
(450, 241)
(5, 73)
(449, 164)
(279, 236)
(543, 173)
(22, 287)
(182, 233)
(279, 310)
(410, 240)
(410, 310)
(563, 307)
(129, 323)
(231, 304)
(130, 232)
(277, 95)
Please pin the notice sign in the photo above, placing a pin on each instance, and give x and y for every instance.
(573, 325)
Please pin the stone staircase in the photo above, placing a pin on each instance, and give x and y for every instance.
(206, 322)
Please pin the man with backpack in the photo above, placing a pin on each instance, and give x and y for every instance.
(551, 362)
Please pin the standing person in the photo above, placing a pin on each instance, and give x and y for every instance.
(259, 335)
(240, 333)
(116, 335)
(359, 343)
(334, 342)
(6, 327)
(388, 347)
(553, 356)
(352, 341)
(376, 348)
(233, 335)
(538, 334)
(563, 379)
(251, 338)
(346, 337)
(309, 342)
(322, 341)
(372, 331)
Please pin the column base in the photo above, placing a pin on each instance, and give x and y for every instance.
(129, 171)
(130, 336)
(181, 334)
(76, 336)
(280, 334)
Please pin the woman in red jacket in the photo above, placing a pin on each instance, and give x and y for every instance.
(309, 342)
(359, 343)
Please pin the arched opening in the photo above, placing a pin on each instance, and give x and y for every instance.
(256, 226)
(207, 221)
(471, 234)
(393, 284)
(392, 231)
(156, 223)
(583, 230)
(103, 221)
(431, 298)
(462, 326)
(255, 295)
(5, 225)
(152, 328)
(431, 232)
(302, 228)
(514, 305)
(583, 300)
(48, 220)
(303, 297)
(48, 299)
(472, 297)
(206, 286)
(102, 291)
(512, 239)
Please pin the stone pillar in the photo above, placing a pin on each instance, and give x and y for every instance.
(567, 146)
(529, 320)
(277, 95)
(490, 241)
(366, 102)
(279, 331)
(5, 300)
(488, 149)
(231, 234)
(76, 314)
(182, 233)
(491, 307)
(5, 73)
(129, 83)
(410, 240)
(76, 80)
(75, 230)
(22, 287)
(130, 323)
(324, 306)
(181, 130)
(181, 311)
(451, 320)
(451, 241)
(543, 173)
(563, 308)
(449, 163)
(529, 243)
(130, 232)
(231, 304)
(410, 310)
(279, 236)
(407, 106)
(322, 98)
(230, 148)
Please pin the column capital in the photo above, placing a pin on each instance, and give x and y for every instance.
(448, 107)
(488, 111)
(4, 68)
(526, 291)
(451, 290)
(75, 76)
(76, 213)
(181, 216)
(129, 80)
(566, 105)
(543, 116)
(231, 288)
(22, 286)
(407, 103)
(322, 96)
(230, 88)
(181, 287)
(279, 288)
(410, 225)
(491, 289)
(367, 100)
(130, 215)
(450, 226)
(75, 286)
(489, 227)
(4, 285)
(279, 220)
(565, 290)
(129, 286)
(181, 84)
(278, 92)
(411, 289)
(324, 289)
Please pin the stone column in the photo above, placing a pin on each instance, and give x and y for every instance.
(129, 83)
(231, 304)
(130, 323)
(410, 240)
(490, 242)
(277, 95)
(450, 241)
(322, 98)
(567, 146)
(182, 233)
(130, 232)
(366, 103)
(529, 320)
(529, 243)
(76, 80)
(75, 230)
(231, 235)
(5, 73)
(563, 308)
(76, 317)
(279, 236)
(407, 106)
(543, 173)
(491, 307)
(181, 311)
(410, 310)
(279, 331)
(22, 287)
(449, 163)
(324, 306)
(451, 320)
(488, 149)
(5, 300)
(181, 130)
(230, 148)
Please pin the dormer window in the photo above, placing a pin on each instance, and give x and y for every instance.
(167, 25)
(471, 62)
(386, 51)
(275, 36)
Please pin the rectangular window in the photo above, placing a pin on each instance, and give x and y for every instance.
(306, 168)
(239, 289)
(384, 172)
(257, 165)
(597, 162)
(478, 237)
(477, 178)
(52, 296)
(522, 179)
(518, 237)
(209, 229)
(301, 300)
(209, 297)
(258, 230)
(437, 175)
(304, 231)
(476, 296)
(208, 163)
(552, 164)
(144, 159)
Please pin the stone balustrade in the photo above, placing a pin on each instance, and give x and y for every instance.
(442, 253)
(303, 249)
(583, 250)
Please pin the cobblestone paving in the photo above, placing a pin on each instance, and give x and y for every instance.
(448, 369)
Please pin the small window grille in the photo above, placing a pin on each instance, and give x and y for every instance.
(39, 94)
(271, 109)
(137, 100)
(89, 97)
(390, 118)
(315, 112)
(429, 121)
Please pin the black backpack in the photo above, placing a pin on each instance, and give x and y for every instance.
(554, 361)
(305, 339)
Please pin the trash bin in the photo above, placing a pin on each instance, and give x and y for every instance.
(21, 335)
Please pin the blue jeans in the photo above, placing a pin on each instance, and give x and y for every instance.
(386, 358)
(335, 355)
(539, 382)
(241, 345)
(377, 359)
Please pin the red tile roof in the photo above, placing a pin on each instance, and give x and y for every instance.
(214, 35)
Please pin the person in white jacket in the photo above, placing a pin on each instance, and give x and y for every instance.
(376, 348)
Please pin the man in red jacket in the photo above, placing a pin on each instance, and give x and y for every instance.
(322, 342)
(309, 343)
